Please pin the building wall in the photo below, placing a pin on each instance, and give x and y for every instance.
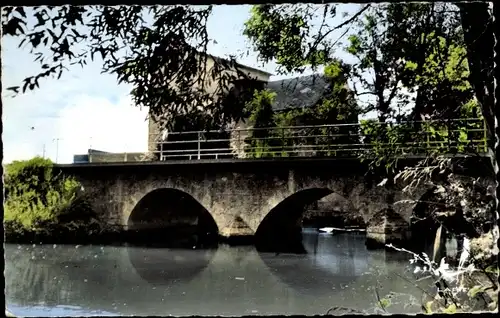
(116, 157)
(154, 128)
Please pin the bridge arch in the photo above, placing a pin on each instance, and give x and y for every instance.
(170, 215)
(280, 228)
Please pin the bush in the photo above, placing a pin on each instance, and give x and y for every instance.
(262, 142)
(38, 199)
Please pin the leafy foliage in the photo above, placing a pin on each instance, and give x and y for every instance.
(416, 53)
(375, 51)
(465, 288)
(386, 142)
(37, 198)
(264, 139)
(165, 60)
(281, 33)
(336, 106)
(286, 33)
(464, 205)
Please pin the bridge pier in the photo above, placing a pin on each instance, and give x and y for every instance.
(387, 227)
(237, 231)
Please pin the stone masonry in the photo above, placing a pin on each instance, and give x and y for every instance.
(239, 194)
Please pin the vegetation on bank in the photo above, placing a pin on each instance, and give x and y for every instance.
(42, 204)
(463, 206)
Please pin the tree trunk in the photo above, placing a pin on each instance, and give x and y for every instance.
(477, 23)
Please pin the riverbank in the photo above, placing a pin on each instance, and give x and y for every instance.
(182, 238)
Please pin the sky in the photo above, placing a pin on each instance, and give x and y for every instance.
(86, 109)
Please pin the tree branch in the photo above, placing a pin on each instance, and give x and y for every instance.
(351, 19)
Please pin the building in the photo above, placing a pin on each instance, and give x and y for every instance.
(93, 156)
(255, 76)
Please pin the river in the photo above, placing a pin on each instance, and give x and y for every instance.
(337, 271)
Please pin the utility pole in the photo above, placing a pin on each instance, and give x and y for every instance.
(43, 151)
(57, 147)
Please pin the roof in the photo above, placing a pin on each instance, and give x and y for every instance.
(94, 151)
(242, 65)
(303, 91)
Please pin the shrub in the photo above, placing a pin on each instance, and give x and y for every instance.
(37, 198)
(262, 142)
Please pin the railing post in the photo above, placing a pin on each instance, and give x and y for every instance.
(240, 148)
(428, 137)
(199, 145)
(161, 150)
(485, 136)
(328, 141)
(449, 135)
(283, 142)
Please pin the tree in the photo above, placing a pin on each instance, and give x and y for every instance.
(337, 105)
(285, 33)
(430, 42)
(391, 41)
(263, 140)
(375, 50)
(164, 59)
(477, 23)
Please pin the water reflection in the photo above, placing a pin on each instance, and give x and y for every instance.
(336, 271)
(168, 266)
(330, 264)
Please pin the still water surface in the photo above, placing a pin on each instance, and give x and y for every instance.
(64, 280)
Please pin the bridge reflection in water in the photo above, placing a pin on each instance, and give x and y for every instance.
(336, 271)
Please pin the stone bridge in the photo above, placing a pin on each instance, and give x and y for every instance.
(240, 197)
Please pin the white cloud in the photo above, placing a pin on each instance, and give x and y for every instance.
(87, 122)
(97, 123)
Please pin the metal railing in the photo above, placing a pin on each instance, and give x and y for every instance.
(345, 140)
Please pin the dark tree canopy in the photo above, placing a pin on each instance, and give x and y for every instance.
(160, 50)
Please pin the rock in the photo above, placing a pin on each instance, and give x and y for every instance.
(485, 247)
(439, 247)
